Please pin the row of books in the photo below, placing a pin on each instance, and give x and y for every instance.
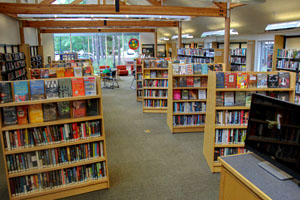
(69, 64)
(238, 52)
(189, 94)
(238, 60)
(139, 93)
(189, 107)
(230, 136)
(47, 89)
(156, 93)
(244, 98)
(288, 53)
(196, 52)
(227, 151)
(53, 157)
(155, 103)
(229, 117)
(10, 66)
(43, 73)
(139, 85)
(15, 75)
(196, 59)
(189, 69)
(248, 80)
(7, 57)
(155, 63)
(297, 88)
(190, 82)
(188, 120)
(288, 64)
(156, 74)
(59, 178)
(238, 67)
(38, 113)
(139, 77)
(156, 83)
(63, 133)
(36, 61)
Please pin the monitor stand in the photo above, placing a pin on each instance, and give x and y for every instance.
(275, 171)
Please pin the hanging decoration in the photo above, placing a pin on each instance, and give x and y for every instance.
(133, 44)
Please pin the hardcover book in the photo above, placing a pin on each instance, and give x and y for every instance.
(228, 98)
(262, 81)
(51, 89)
(35, 113)
(79, 109)
(44, 73)
(175, 68)
(22, 115)
(78, 87)
(185, 94)
(284, 79)
(69, 72)
(65, 87)
(176, 94)
(92, 107)
(230, 80)
(272, 80)
(240, 98)
(90, 86)
(220, 79)
(190, 82)
(201, 94)
(197, 82)
(192, 94)
(77, 71)
(21, 91)
(49, 110)
(52, 73)
(60, 72)
(64, 110)
(252, 81)
(37, 89)
(241, 80)
(6, 92)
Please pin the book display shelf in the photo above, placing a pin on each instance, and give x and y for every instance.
(196, 55)
(155, 86)
(53, 137)
(68, 56)
(229, 99)
(36, 57)
(139, 79)
(238, 59)
(187, 94)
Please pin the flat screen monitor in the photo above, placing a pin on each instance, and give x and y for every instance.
(274, 133)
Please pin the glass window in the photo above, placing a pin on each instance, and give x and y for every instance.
(265, 56)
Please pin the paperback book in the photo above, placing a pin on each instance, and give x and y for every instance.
(37, 89)
(64, 110)
(21, 91)
(90, 86)
(65, 87)
(92, 107)
(273, 81)
(9, 116)
(49, 111)
(78, 87)
(51, 89)
(79, 109)
(36, 113)
(22, 115)
(6, 92)
(284, 79)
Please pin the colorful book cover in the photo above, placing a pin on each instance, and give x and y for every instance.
(185, 94)
(230, 79)
(228, 98)
(241, 80)
(201, 94)
(197, 68)
(197, 82)
(189, 68)
(79, 109)
(204, 81)
(190, 81)
(252, 81)
(49, 111)
(272, 80)
(35, 73)
(52, 73)
(90, 87)
(192, 94)
(60, 72)
(240, 98)
(78, 87)
(219, 99)
(37, 89)
(77, 71)
(22, 115)
(64, 110)
(69, 72)
(9, 116)
(165, 74)
(147, 74)
(21, 92)
(51, 89)
(182, 82)
(35, 113)
(6, 92)
(92, 107)
(248, 98)
(176, 94)
(65, 87)
(284, 79)
(220, 80)
(153, 74)
(204, 68)
(44, 73)
(87, 71)
(262, 80)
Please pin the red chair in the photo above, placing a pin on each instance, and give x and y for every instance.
(122, 71)
(103, 67)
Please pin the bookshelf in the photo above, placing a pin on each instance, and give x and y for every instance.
(139, 79)
(155, 86)
(231, 133)
(238, 59)
(58, 158)
(36, 57)
(187, 103)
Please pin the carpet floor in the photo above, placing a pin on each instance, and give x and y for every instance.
(146, 161)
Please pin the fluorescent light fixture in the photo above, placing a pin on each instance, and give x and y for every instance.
(183, 36)
(165, 39)
(281, 26)
(218, 33)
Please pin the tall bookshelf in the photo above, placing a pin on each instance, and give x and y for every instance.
(36, 57)
(155, 86)
(139, 79)
(37, 181)
(194, 55)
(212, 146)
(238, 59)
(193, 106)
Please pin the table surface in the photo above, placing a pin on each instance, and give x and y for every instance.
(247, 166)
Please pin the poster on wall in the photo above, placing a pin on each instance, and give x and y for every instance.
(133, 44)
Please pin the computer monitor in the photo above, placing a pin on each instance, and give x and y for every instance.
(274, 133)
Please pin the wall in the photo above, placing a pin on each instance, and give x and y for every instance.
(48, 46)
(146, 38)
(9, 30)
(31, 36)
(292, 43)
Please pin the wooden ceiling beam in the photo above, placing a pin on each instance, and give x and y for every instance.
(220, 5)
(154, 2)
(13, 8)
(47, 2)
(122, 30)
(76, 1)
(234, 5)
(52, 23)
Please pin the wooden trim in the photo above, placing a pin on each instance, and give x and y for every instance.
(155, 2)
(124, 30)
(22, 36)
(14, 8)
(220, 5)
(39, 36)
(179, 35)
(47, 1)
(76, 2)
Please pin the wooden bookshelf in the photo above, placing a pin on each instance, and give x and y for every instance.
(238, 59)
(210, 145)
(149, 67)
(139, 79)
(171, 114)
(36, 57)
(64, 190)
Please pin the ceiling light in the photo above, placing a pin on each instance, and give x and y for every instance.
(165, 39)
(281, 26)
(218, 33)
(183, 36)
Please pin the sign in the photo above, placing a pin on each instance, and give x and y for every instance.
(133, 44)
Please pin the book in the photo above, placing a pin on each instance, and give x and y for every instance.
(252, 81)
(284, 79)
(44, 73)
(35, 113)
(262, 81)
(9, 116)
(35, 73)
(6, 92)
(192, 94)
(65, 87)
(189, 68)
(240, 98)
(272, 80)
(90, 87)
(165, 74)
(79, 109)
(77, 71)
(248, 98)
(52, 73)
(77, 87)
(204, 69)
(190, 81)
(185, 94)
(64, 110)
(37, 89)
(228, 98)
(219, 99)
(241, 80)
(69, 72)
(219, 79)
(49, 111)
(147, 74)
(197, 82)
(22, 115)
(51, 87)
(204, 81)
(87, 71)
(60, 72)
(201, 94)
(182, 82)
(197, 68)
(284, 96)
(92, 107)
(153, 74)
(176, 94)
(230, 80)
(21, 91)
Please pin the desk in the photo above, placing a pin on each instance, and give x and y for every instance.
(243, 179)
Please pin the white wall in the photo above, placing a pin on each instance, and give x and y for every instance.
(31, 36)
(9, 28)
(146, 38)
(48, 46)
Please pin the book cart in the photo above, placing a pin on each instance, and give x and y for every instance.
(139, 79)
(155, 94)
(190, 107)
(37, 176)
(210, 146)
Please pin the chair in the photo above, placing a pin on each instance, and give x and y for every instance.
(103, 68)
(122, 71)
(110, 77)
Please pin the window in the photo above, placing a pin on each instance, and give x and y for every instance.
(265, 56)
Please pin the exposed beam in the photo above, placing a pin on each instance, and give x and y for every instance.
(154, 2)
(47, 1)
(13, 8)
(15, 16)
(76, 2)
(21, 32)
(127, 30)
(220, 5)
(52, 23)
(234, 5)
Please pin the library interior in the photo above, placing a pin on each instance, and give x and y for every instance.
(150, 99)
